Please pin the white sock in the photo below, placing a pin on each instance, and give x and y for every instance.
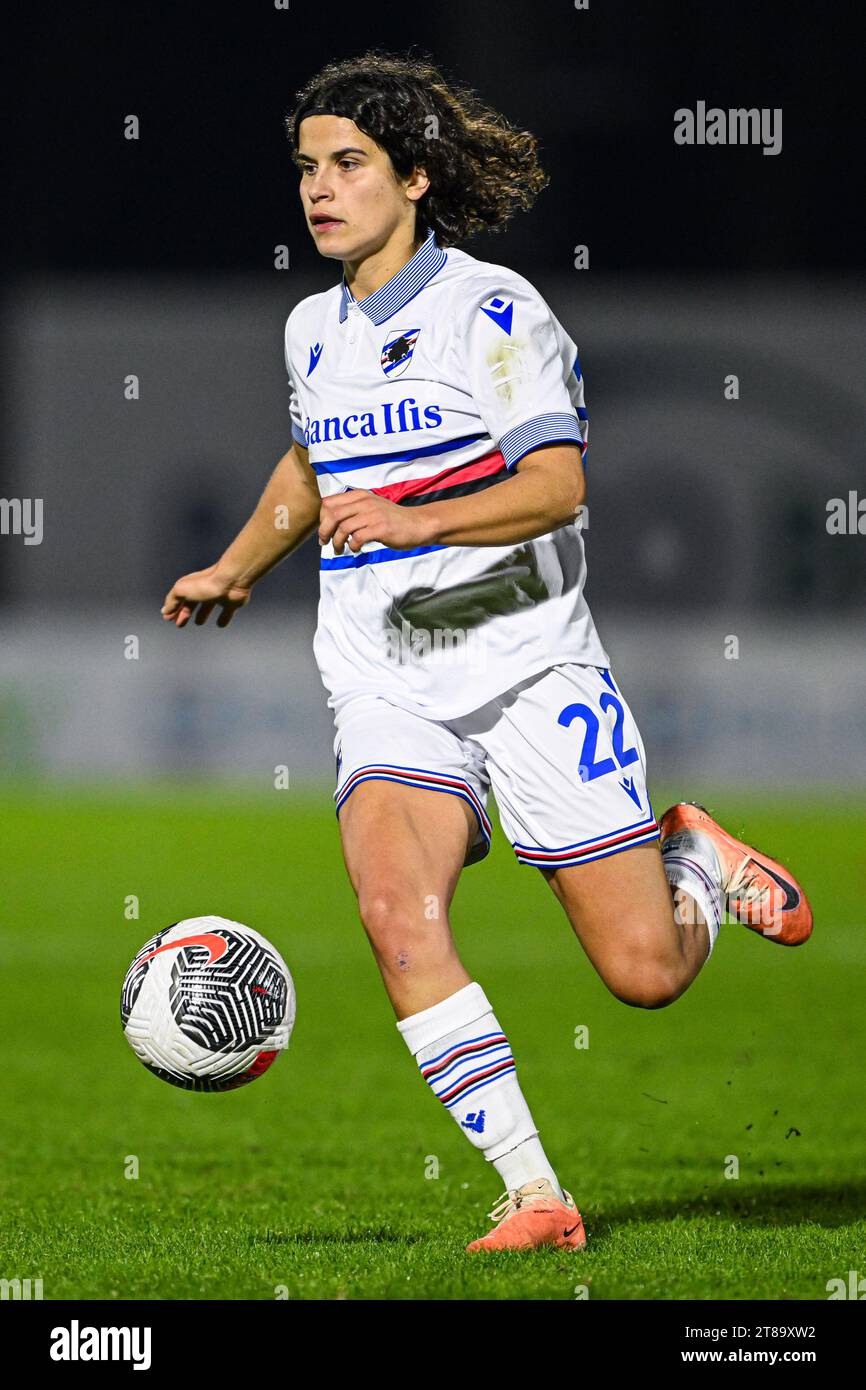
(466, 1060)
(692, 864)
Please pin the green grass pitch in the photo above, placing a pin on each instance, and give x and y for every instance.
(313, 1180)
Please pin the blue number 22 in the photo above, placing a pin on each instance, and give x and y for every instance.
(589, 768)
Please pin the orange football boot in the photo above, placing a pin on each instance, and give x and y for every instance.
(533, 1215)
(761, 893)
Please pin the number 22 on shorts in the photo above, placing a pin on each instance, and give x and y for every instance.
(590, 768)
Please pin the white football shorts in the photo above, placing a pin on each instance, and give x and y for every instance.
(561, 752)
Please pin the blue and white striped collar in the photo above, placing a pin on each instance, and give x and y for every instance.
(402, 287)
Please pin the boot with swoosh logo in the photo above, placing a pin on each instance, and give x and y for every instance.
(761, 893)
(533, 1215)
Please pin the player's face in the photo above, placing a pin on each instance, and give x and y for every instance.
(351, 196)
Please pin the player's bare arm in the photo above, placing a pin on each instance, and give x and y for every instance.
(546, 492)
(285, 516)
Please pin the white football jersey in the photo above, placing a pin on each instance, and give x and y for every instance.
(435, 387)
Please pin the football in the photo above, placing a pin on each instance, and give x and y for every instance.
(208, 1004)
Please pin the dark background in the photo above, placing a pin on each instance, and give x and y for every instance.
(209, 185)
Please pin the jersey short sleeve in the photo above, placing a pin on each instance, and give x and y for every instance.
(522, 371)
(295, 413)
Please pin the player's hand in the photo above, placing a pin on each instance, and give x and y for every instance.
(358, 516)
(200, 593)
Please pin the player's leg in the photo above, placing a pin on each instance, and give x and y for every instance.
(568, 768)
(404, 845)
(620, 906)
(646, 942)
(567, 765)
(411, 811)
(404, 849)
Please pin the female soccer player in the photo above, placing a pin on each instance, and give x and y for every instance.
(438, 424)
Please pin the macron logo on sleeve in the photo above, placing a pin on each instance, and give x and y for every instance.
(501, 311)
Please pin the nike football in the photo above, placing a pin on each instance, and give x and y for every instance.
(208, 1004)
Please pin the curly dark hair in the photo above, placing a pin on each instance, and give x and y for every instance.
(481, 168)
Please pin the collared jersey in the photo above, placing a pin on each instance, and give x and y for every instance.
(434, 387)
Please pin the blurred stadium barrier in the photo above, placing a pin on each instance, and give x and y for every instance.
(790, 710)
(707, 519)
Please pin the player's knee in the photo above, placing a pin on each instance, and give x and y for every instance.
(389, 921)
(653, 985)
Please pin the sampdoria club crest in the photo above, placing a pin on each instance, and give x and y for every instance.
(397, 350)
